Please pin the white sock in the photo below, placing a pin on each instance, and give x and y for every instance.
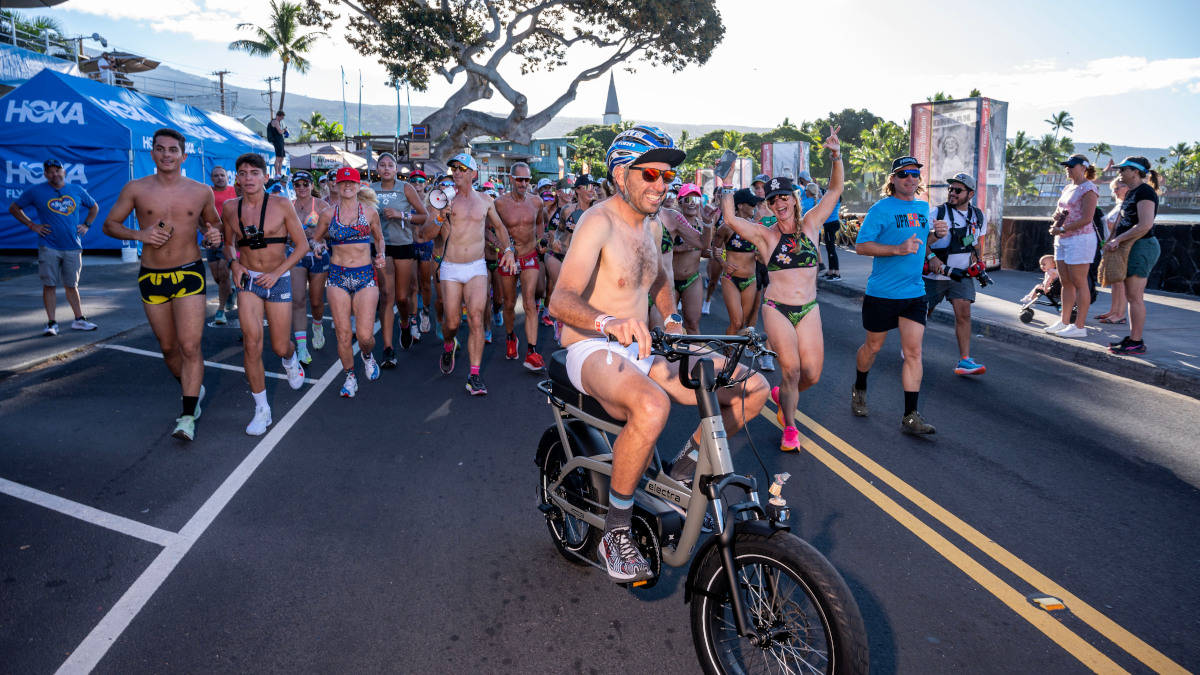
(260, 399)
(290, 362)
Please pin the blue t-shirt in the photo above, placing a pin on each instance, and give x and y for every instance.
(892, 221)
(62, 209)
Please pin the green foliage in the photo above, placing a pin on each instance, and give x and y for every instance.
(975, 93)
(1101, 149)
(1184, 173)
(282, 39)
(940, 96)
(1061, 121)
(1023, 164)
(591, 151)
(871, 160)
(31, 31)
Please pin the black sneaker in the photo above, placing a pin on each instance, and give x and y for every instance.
(1129, 347)
(446, 362)
(622, 559)
(1119, 345)
(405, 338)
(475, 385)
(389, 358)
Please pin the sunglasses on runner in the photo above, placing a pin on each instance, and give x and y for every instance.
(651, 175)
(301, 184)
(956, 190)
(520, 179)
(691, 199)
(908, 174)
(776, 198)
(416, 179)
(458, 168)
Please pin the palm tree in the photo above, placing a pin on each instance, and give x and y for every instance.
(312, 126)
(1101, 149)
(1060, 121)
(31, 30)
(733, 140)
(975, 93)
(876, 148)
(588, 151)
(331, 131)
(280, 39)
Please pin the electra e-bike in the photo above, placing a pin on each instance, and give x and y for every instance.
(762, 599)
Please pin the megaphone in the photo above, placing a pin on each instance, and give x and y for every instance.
(440, 198)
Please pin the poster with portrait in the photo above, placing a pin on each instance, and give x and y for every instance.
(785, 159)
(964, 136)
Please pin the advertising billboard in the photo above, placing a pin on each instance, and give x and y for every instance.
(785, 159)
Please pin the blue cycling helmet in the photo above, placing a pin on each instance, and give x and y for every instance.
(641, 145)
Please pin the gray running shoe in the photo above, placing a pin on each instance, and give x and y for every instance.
(913, 423)
(858, 402)
(622, 559)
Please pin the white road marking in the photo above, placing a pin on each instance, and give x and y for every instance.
(207, 364)
(90, 515)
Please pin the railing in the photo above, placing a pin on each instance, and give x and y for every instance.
(56, 46)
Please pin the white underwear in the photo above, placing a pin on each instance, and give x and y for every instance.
(462, 272)
(578, 352)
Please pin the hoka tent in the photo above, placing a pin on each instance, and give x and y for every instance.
(103, 136)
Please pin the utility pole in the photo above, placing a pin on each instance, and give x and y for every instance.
(221, 74)
(270, 96)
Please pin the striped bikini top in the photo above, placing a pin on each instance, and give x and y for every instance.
(357, 233)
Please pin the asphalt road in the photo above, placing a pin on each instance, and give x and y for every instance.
(396, 532)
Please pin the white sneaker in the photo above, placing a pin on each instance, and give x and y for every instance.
(262, 420)
(350, 388)
(706, 308)
(370, 367)
(83, 324)
(415, 331)
(1057, 326)
(1072, 332)
(426, 324)
(318, 336)
(295, 375)
(766, 363)
(51, 328)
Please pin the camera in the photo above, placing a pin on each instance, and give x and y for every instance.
(255, 238)
(976, 271)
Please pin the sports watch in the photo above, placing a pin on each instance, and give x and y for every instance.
(675, 319)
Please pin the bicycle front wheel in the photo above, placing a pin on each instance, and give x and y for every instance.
(792, 594)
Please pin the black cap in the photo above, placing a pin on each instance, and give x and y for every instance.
(584, 180)
(51, 162)
(780, 186)
(301, 175)
(746, 196)
(901, 162)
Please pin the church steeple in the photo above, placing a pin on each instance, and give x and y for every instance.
(612, 112)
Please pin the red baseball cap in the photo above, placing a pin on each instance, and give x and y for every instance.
(347, 173)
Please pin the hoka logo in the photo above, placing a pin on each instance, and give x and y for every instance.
(126, 111)
(24, 173)
(41, 112)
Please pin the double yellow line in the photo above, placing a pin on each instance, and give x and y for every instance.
(1014, 599)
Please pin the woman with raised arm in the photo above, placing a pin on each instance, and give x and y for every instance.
(789, 250)
(686, 264)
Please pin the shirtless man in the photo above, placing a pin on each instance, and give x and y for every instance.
(257, 228)
(613, 263)
(463, 273)
(170, 209)
(222, 192)
(523, 215)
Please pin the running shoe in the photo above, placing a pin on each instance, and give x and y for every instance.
(220, 319)
(82, 324)
(1127, 346)
(558, 326)
(426, 324)
(405, 337)
(534, 362)
(510, 347)
(1072, 332)
(791, 440)
(622, 559)
(318, 335)
(389, 358)
(475, 385)
(262, 420)
(913, 423)
(968, 366)
(370, 367)
(295, 376)
(350, 388)
(51, 328)
(1055, 327)
(302, 353)
(858, 402)
(414, 331)
(547, 321)
(766, 363)
(834, 277)
(498, 318)
(446, 360)
(706, 308)
(185, 427)
(230, 303)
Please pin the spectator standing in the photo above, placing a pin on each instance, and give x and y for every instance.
(1116, 309)
(60, 249)
(1075, 245)
(1138, 211)
(222, 192)
(276, 133)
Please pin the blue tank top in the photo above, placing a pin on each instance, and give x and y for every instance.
(357, 233)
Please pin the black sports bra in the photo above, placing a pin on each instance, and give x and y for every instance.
(738, 245)
(793, 252)
(246, 239)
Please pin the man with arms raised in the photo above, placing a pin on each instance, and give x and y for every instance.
(170, 209)
(464, 274)
(612, 265)
(257, 227)
(522, 214)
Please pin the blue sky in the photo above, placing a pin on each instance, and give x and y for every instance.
(1128, 75)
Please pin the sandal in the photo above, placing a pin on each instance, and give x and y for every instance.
(1115, 321)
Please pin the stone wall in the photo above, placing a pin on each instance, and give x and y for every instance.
(1024, 240)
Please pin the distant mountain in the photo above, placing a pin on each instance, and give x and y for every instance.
(203, 93)
(1120, 152)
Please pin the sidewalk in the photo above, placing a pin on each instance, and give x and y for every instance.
(1172, 333)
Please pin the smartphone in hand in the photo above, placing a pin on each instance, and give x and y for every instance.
(725, 163)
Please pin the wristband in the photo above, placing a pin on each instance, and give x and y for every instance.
(931, 256)
(602, 321)
(441, 219)
(727, 191)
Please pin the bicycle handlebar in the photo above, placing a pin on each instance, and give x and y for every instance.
(674, 347)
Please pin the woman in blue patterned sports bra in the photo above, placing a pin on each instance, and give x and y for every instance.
(793, 323)
(351, 287)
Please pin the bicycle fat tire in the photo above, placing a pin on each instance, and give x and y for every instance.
(575, 539)
(826, 631)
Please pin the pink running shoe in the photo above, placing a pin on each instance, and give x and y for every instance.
(791, 440)
(775, 400)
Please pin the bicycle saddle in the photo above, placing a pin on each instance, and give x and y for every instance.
(563, 389)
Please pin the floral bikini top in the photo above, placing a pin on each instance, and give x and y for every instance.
(793, 252)
(738, 245)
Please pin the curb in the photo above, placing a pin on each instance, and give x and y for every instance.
(1082, 353)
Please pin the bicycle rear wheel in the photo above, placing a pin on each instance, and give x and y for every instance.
(575, 539)
(793, 594)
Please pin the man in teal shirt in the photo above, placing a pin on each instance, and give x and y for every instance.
(896, 232)
(60, 224)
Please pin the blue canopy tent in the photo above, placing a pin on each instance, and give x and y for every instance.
(103, 135)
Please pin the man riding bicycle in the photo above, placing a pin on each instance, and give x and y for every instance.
(611, 268)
